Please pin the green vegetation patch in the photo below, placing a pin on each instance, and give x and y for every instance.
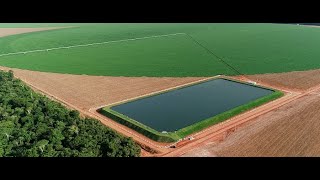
(160, 56)
(31, 125)
(249, 48)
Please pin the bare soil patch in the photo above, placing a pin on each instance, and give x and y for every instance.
(87, 92)
(314, 26)
(297, 80)
(291, 130)
(13, 31)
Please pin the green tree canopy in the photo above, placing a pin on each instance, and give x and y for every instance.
(31, 125)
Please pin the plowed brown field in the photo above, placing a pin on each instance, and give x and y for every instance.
(13, 31)
(297, 80)
(87, 92)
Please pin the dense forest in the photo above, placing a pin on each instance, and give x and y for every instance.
(31, 125)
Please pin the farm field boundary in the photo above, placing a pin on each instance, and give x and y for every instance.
(170, 55)
(90, 44)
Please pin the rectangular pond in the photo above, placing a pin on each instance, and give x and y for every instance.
(176, 109)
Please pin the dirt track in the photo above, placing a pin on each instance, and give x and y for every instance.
(13, 31)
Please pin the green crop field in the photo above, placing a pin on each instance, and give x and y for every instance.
(249, 48)
(137, 58)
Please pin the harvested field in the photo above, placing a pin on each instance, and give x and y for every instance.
(292, 130)
(87, 92)
(12, 31)
(297, 80)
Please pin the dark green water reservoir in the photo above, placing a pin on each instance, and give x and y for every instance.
(179, 108)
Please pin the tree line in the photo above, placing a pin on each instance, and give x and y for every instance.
(32, 125)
